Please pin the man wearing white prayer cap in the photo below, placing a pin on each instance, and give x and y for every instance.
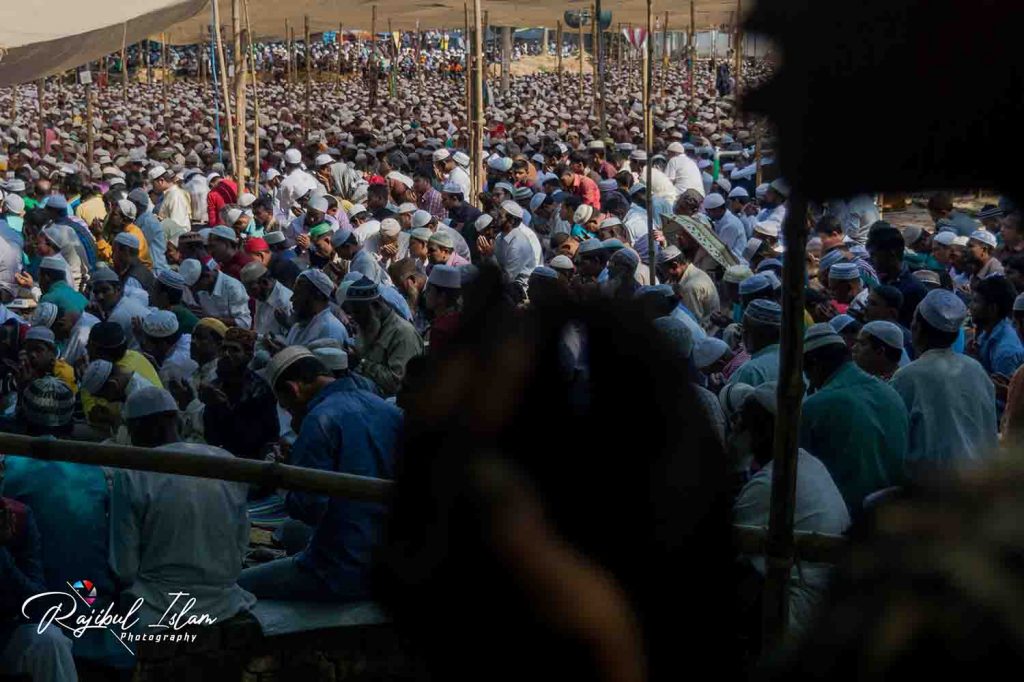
(194, 527)
(174, 201)
(512, 247)
(762, 320)
(852, 420)
(952, 422)
(682, 171)
(728, 227)
(314, 319)
(980, 260)
(296, 182)
(878, 349)
(442, 297)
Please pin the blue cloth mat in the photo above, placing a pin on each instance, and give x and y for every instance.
(268, 512)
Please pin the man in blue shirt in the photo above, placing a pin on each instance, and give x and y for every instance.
(341, 428)
(886, 246)
(999, 349)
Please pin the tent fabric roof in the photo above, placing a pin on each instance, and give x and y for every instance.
(267, 17)
(62, 34)
(40, 38)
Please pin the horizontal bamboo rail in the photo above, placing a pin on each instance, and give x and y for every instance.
(811, 547)
(270, 474)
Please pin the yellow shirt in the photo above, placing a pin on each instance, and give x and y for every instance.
(106, 250)
(65, 373)
(133, 361)
(92, 208)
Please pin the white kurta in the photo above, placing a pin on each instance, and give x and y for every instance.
(324, 325)
(279, 300)
(78, 339)
(684, 174)
(229, 299)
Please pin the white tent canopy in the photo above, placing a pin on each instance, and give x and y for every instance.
(39, 38)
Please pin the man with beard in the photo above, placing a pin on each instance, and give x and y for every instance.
(314, 319)
(385, 342)
(111, 304)
(240, 411)
(273, 300)
(410, 281)
(980, 260)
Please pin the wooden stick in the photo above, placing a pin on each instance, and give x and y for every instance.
(813, 547)
(757, 157)
(255, 104)
(14, 101)
(558, 46)
(187, 463)
(167, 72)
(40, 92)
(89, 141)
(287, 53)
(779, 549)
(581, 55)
(595, 99)
(339, 43)
(124, 63)
(649, 137)
(309, 76)
(692, 45)
(738, 48)
(478, 100)
(239, 162)
(223, 69)
(664, 58)
(470, 74)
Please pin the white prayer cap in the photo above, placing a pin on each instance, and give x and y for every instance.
(739, 193)
(583, 213)
(844, 271)
(45, 314)
(960, 240)
(561, 262)
(766, 396)
(128, 239)
(292, 157)
(768, 228)
(985, 237)
(708, 350)
(156, 172)
(190, 269)
(732, 397)
(231, 214)
(421, 218)
(676, 148)
(483, 222)
(887, 332)
(780, 186)
(137, 195)
(761, 190)
(841, 322)
(390, 227)
(1018, 304)
(400, 177)
(512, 208)
(283, 360)
(42, 334)
(170, 279)
(272, 173)
(943, 310)
(53, 263)
(323, 160)
(246, 199)
(735, 274)
(461, 158)
(819, 335)
(160, 324)
(441, 155)
(274, 237)
(96, 375)
(354, 210)
(14, 204)
(320, 280)
(763, 311)
(148, 401)
(451, 188)
(318, 203)
(610, 222)
(251, 272)
(945, 238)
(445, 276)
(334, 359)
(713, 200)
(224, 232)
(127, 208)
(407, 207)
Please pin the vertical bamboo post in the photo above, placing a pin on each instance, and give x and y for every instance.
(506, 58)
(478, 101)
(738, 47)
(593, 53)
(166, 72)
(14, 101)
(581, 55)
(41, 122)
(483, 41)
(692, 45)
(664, 57)
(105, 68)
(338, 42)
(757, 156)
(293, 56)
(416, 54)
(239, 161)
(470, 74)
(779, 545)
(124, 64)
(309, 74)
(648, 135)
(558, 47)
(89, 139)
(255, 105)
(287, 53)
(223, 69)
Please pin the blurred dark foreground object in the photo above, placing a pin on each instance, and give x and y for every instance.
(894, 94)
(933, 588)
(553, 525)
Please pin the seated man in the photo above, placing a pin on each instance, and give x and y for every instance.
(39, 359)
(311, 302)
(112, 304)
(162, 340)
(70, 328)
(218, 294)
(345, 429)
(168, 294)
(385, 343)
(53, 283)
(172, 533)
(273, 300)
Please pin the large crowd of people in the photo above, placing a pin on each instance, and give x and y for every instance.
(148, 299)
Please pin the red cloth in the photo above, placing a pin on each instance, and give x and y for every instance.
(586, 189)
(234, 266)
(225, 193)
(256, 245)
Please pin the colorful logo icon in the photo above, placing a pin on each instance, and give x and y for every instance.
(86, 590)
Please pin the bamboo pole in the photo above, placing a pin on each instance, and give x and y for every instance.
(255, 104)
(287, 53)
(149, 61)
(309, 75)
(338, 42)
(484, 66)
(812, 547)
(648, 137)
(293, 57)
(14, 102)
(506, 58)
(478, 101)
(188, 463)
(416, 54)
(470, 74)
(581, 55)
(239, 161)
(757, 156)
(558, 47)
(779, 548)
(692, 45)
(593, 49)
(124, 64)
(41, 122)
(664, 57)
(89, 134)
(166, 74)
(223, 69)
(738, 48)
